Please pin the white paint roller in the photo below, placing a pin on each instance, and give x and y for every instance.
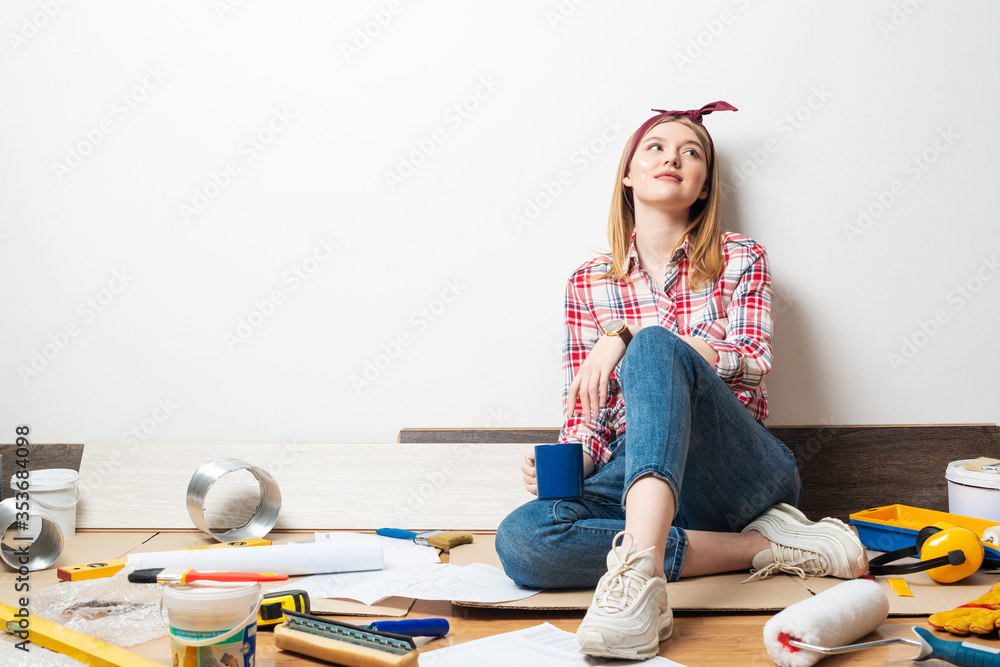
(835, 617)
(992, 535)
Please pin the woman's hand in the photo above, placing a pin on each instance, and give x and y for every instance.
(591, 381)
(528, 469)
(700, 346)
(531, 476)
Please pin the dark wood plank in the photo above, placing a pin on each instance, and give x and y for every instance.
(536, 436)
(40, 457)
(844, 469)
(852, 468)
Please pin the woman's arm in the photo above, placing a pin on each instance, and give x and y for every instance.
(744, 356)
(586, 423)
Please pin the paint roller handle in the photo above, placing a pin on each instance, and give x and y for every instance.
(415, 627)
(965, 654)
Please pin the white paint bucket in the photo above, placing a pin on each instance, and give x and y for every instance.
(971, 493)
(212, 625)
(52, 493)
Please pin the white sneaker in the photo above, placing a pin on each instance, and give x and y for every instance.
(629, 616)
(824, 548)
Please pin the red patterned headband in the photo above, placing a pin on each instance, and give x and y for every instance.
(694, 115)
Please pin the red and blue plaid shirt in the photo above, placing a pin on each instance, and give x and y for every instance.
(733, 316)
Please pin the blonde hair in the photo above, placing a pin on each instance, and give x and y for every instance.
(705, 228)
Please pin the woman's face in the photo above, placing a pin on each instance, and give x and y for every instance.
(669, 168)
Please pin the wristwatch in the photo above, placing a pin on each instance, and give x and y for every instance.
(619, 328)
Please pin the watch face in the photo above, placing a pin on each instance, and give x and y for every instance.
(614, 326)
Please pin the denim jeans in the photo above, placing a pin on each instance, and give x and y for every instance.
(683, 425)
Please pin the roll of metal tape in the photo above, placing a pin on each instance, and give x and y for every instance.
(265, 514)
(41, 552)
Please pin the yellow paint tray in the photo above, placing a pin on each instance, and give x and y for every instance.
(896, 526)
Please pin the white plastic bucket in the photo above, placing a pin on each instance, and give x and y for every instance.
(971, 493)
(211, 624)
(53, 493)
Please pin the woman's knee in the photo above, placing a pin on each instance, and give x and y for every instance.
(516, 540)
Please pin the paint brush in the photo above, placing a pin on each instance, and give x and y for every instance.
(176, 575)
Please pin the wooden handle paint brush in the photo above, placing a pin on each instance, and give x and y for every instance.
(175, 575)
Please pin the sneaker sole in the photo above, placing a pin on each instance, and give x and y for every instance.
(593, 644)
(846, 540)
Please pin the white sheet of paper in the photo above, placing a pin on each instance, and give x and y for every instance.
(541, 645)
(475, 582)
(412, 571)
(402, 561)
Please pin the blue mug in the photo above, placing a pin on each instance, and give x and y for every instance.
(559, 470)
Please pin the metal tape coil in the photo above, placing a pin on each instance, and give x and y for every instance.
(43, 551)
(265, 514)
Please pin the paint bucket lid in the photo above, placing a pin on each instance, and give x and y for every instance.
(959, 475)
(52, 479)
(209, 598)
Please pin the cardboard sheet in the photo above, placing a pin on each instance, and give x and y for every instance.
(724, 592)
(929, 596)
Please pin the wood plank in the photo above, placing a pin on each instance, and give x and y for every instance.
(40, 457)
(538, 436)
(844, 469)
(849, 469)
(466, 486)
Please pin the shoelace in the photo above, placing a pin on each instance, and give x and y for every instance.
(789, 560)
(624, 582)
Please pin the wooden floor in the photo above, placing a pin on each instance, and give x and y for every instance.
(699, 639)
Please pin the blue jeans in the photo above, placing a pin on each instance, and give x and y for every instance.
(683, 425)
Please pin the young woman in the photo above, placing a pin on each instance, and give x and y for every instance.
(668, 342)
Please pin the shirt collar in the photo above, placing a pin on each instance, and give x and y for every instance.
(633, 254)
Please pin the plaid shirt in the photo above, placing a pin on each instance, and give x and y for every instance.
(733, 316)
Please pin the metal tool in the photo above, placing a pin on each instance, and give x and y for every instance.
(273, 605)
(344, 644)
(265, 515)
(931, 648)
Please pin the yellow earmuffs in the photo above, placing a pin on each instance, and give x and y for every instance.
(948, 553)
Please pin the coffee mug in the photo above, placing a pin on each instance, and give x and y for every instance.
(559, 470)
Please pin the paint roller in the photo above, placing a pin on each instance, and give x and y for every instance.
(826, 624)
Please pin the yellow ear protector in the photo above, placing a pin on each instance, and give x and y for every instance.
(948, 553)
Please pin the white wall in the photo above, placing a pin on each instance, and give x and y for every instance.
(837, 101)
